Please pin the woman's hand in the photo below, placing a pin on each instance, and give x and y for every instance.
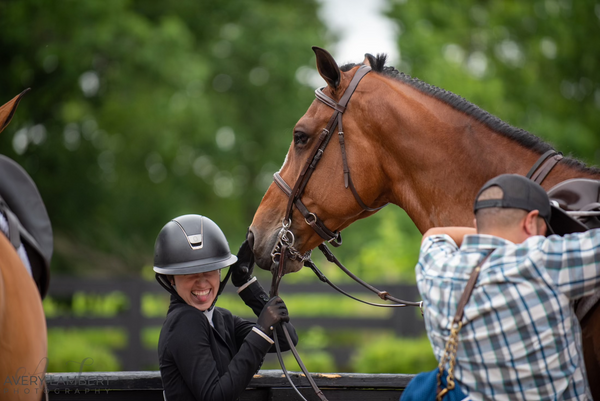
(241, 271)
(273, 312)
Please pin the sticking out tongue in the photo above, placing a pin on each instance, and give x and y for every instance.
(202, 296)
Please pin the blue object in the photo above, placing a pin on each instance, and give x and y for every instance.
(424, 388)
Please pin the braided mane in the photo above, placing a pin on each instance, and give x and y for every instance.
(459, 103)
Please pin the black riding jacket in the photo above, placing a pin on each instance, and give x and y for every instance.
(204, 363)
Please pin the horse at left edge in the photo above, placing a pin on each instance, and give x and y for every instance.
(25, 253)
(403, 142)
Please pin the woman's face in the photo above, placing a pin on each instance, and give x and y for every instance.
(198, 290)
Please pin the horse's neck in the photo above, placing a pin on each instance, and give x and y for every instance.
(443, 157)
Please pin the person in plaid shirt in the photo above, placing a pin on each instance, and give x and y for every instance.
(521, 339)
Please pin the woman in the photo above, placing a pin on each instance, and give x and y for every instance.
(206, 353)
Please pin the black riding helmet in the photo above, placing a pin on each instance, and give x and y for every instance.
(190, 244)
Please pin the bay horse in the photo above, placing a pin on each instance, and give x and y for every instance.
(408, 143)
(23, 335)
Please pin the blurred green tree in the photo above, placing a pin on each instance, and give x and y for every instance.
(141, 111)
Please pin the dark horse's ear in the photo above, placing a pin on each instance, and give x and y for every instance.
(370, 61)
(327, 67)
(8, 110)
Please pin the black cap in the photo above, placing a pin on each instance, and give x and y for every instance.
(522, 193)
(518, 193)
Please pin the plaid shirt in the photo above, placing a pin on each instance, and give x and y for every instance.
(521, 339)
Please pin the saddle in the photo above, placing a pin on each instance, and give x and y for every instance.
(577, 202)
(28, 221)
(23, 208)
(580, 198)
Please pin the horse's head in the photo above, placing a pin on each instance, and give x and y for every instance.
(327, 193)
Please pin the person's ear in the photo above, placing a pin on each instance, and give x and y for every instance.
(530, 223)
(475, 223)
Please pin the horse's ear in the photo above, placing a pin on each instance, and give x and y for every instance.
(8, 110)
(370, 61)
(327, 67)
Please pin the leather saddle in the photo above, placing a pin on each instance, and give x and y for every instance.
(24, 210)
(580, 199)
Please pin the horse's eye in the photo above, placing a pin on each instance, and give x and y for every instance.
(300, 138)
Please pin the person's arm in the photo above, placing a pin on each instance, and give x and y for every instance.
(573, 262)
(254, 295)
(456, 233)
(190, 346)
(256, 298)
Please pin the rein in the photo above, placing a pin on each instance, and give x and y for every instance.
(273, 292)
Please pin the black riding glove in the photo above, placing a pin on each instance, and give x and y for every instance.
(241, 271)
(273, 312)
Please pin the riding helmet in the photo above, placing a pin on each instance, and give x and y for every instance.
(191, 244)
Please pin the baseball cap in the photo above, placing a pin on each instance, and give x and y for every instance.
(522, 193)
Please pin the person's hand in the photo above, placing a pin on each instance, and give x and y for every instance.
(273, 312)
(241, 271)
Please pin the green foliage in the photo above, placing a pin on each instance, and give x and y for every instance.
(99, 305)
(87, 350)
(391, 254)
(388, 354)
(150, 337)
(142, 111)
(154, 305)
(314, 360)
(90, 305)
(311, 348)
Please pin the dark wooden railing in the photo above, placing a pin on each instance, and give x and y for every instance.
(135, 357)
(267, 385)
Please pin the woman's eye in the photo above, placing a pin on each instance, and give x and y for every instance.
(300, 138)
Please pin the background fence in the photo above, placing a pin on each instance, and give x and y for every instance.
(135, 356)
(267, 385)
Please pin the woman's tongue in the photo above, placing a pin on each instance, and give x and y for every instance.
(201, 295)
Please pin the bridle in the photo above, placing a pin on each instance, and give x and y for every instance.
(295, 194)
(284, 246)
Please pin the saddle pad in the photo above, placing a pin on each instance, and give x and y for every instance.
(22, 197)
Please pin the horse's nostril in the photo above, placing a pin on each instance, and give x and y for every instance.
(250, 239)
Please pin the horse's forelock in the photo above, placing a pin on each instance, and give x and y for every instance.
(377, 63)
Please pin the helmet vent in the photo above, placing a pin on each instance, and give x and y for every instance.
(195, 241)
